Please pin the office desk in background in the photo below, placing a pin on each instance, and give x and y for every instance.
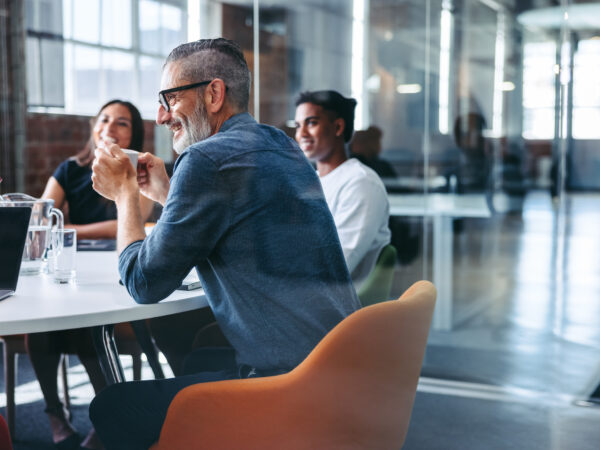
(412, 184)
(96, 300)
(442, 209)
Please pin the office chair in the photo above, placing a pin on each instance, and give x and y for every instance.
(378, 284)
(354, 390)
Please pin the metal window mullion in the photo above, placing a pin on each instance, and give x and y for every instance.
(112, 48)
(103, 82)
(135, 24)
(41, 72)
(135, 50)
(100, 16)
(426, 145)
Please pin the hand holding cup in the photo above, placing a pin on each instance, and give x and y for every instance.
(152, 177)
(113, 173)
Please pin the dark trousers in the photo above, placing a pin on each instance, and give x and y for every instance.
(129, 415)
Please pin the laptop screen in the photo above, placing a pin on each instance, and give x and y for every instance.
(14, 222)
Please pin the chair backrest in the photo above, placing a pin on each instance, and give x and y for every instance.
(378, 284)
(355, 390)
(369, 367)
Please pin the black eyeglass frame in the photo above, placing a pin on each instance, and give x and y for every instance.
(162, 95)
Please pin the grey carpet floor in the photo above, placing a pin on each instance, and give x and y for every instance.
(439, 421)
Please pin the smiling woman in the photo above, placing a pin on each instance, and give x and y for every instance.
(71, 187)
(118, 122)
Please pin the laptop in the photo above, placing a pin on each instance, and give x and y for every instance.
(14, 222)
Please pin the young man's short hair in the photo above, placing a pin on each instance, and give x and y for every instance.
(334, 102)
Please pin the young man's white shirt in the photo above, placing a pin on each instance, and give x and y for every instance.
(358, 202)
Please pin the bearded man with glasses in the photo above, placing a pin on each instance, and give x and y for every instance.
(246, 209)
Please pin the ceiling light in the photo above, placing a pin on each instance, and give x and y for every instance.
(508, 86)
(408, 88)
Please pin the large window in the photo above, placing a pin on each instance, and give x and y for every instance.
(81, 53)
(586, 90)
(539, 77)
(539, 74)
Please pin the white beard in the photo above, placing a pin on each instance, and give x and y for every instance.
(195, 129)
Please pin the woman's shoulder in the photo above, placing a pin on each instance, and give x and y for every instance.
(71, 165)
(69, 169)
(68, 164)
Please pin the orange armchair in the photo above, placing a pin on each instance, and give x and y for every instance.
(355, 390)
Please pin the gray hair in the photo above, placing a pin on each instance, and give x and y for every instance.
(207, 59)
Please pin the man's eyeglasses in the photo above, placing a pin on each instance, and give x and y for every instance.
(162, 95)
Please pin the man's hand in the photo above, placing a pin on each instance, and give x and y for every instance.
(152, 178)
(113, 175)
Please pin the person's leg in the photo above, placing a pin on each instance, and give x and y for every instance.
(175, 334)
(44, 350)
(208, 359)
(130, 415)
(84, 348)
(210, 336)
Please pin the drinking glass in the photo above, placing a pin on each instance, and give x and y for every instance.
(64, 249)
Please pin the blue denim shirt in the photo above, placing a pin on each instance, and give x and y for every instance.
(247, 210)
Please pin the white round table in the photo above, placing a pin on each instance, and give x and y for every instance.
(95, 300)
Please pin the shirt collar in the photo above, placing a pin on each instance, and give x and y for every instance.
(237, 119)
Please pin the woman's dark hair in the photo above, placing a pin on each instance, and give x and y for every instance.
(86, 155)
(335, 103)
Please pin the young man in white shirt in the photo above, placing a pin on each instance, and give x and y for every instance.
(354, 193)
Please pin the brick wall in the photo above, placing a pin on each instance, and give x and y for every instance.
(52, 138)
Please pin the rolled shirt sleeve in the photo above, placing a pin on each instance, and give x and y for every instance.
(195, 216)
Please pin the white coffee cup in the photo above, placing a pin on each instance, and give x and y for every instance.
(133, 156)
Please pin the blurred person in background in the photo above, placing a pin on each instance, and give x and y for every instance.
(366, 147)
(474, 171)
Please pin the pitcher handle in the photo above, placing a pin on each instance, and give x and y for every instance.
(60, 220)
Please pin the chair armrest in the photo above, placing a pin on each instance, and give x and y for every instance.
(225, 414)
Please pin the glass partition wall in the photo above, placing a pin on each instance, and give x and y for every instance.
(488, 113)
